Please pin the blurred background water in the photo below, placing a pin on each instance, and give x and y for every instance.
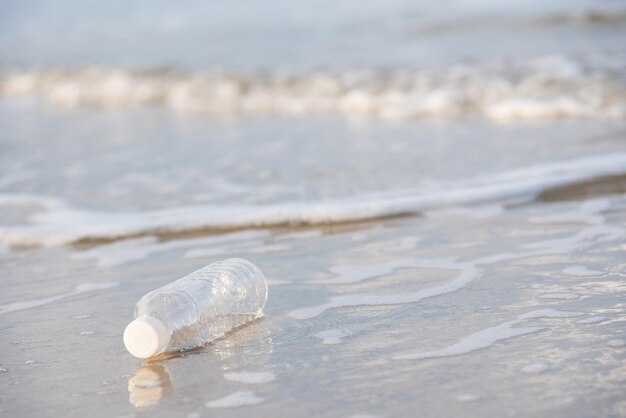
(248, 35)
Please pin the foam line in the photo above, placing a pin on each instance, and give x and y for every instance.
(61, 223)
(467, 275)
(242, 398)
(352, 273)
(487, 337)
(251, 377)
(468, 271)
(476, 341)
(35, 303)
(130, 250)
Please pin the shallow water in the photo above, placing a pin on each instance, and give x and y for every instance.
(492, 339)
(437, 201)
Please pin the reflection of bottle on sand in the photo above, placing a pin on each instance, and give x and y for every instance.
(149, 385)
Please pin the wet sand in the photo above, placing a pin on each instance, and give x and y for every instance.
(534, 329)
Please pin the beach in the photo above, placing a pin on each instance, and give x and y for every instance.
(436, 200)
(516, 310)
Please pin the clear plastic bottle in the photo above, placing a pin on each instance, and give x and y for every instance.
(197, 309)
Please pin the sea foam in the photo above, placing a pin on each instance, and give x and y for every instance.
(251, 377)
(35, 303)
(469, 270)
(487, 337)
(243, 398)
(549, 87)
(59, 222)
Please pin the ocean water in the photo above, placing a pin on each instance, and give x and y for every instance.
(435, 194)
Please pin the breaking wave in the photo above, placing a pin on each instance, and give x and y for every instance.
(546, 88)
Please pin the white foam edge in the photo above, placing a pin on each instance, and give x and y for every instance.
(35, 303)
(251, 377)
(468, 271)
(241, 398)
(489, 336)
(61, 223)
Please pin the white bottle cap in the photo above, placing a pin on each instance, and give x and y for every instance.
(146, 336)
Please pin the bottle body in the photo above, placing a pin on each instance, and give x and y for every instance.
(201, 306)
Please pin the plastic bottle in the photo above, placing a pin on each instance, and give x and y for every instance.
(197, 309)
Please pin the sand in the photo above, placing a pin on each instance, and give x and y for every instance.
(63, 352)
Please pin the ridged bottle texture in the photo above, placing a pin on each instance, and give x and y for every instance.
(201, 306)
